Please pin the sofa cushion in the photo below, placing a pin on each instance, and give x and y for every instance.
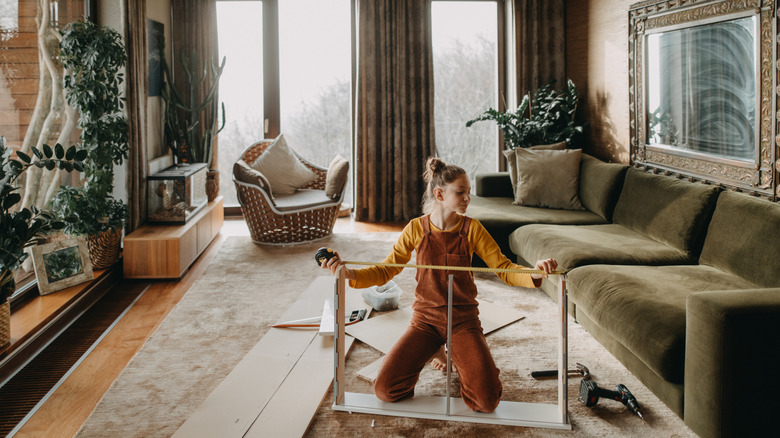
(743, 238)
(511, 158)
(672, 211)
(600, 185)
(548, 178)
(580, 245)
(643, 307)
(246, 174)
(500, 217)
(493, 184)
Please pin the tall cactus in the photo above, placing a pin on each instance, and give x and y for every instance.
(182, 120)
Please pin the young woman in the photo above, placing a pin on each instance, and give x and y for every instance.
(443, 236)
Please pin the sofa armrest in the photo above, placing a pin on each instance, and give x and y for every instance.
(732, 347)
(496, 184)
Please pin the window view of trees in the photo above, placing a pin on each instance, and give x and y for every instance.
(316, 96)
(465, 71)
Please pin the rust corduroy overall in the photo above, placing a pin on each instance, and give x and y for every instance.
(480, 386)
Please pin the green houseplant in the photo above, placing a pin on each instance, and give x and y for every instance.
(23, 227)
(93, 56)
(191, 123)
(547, 117)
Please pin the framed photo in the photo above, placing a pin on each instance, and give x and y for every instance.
(61, 264)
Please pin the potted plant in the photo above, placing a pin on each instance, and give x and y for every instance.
(546, 118)
(23, 227)
(190, 124)
(93, 56)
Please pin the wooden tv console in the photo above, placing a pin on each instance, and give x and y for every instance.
(168, 251)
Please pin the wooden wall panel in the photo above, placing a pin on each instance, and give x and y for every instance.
(597, 62)
(19, 70)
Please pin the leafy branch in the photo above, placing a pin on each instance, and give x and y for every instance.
(548, 117)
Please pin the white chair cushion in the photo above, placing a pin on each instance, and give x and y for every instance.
(282, 168)
(302, 199)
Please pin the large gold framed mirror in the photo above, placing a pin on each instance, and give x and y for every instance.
(703, 95)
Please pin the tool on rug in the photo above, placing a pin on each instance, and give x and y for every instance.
(590, 393)
(579, 369)
(323, 254)
(314, 322)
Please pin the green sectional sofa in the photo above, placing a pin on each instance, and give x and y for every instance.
(680, 281)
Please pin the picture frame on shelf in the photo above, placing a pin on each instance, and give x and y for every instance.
(61, 264)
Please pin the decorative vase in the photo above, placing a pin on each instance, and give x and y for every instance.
(7, 288)
(212, 184)
(104, 248)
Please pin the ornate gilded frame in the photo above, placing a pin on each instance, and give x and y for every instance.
(758, 178)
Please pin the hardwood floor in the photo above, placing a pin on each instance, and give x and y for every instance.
(69, 406)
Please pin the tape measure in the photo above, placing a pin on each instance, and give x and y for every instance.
(323, 254)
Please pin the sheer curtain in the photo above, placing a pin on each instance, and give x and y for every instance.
(394, 112)
(136, 89)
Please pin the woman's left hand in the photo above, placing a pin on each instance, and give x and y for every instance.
(547, 265)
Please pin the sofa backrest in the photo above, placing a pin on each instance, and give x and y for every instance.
(669, 210)
(600, 185)
(744, 239)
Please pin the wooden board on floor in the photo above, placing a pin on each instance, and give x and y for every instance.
(260, 380)
(384, 331)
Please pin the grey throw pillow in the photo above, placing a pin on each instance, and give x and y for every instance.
(246, 174)
(511, 159)
(282, 168)
(548, 178)
(336, 177)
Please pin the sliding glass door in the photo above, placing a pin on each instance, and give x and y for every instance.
(466, 81)
(288, 71)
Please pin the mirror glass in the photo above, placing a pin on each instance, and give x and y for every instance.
(701, 89)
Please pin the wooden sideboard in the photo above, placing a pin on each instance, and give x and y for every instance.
(168, 251)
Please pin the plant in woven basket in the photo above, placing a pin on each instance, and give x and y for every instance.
(23, 227)
(93, 57)
(546, 118)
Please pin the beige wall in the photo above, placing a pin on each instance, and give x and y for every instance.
(597, 62)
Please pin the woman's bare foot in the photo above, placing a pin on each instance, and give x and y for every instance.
(439, 361)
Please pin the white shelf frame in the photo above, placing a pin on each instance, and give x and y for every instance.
(542, 415)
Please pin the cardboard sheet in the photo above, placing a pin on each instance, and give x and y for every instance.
(382, 332)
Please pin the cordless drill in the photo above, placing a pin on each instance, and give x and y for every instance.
(590, 393)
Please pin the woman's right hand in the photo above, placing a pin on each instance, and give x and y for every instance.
(334, 263)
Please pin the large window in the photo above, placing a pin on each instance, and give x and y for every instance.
(309, 57)
(27, 36)
(466, 66)
(240, 25)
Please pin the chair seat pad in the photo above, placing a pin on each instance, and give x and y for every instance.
(303, 199)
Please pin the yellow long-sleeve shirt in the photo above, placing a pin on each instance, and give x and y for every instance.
(479, 240)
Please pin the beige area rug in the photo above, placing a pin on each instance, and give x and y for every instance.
(247, 287)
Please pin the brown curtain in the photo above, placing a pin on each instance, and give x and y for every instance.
(136, 90)
(541, 44)
(394, 120)
(194, 30)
